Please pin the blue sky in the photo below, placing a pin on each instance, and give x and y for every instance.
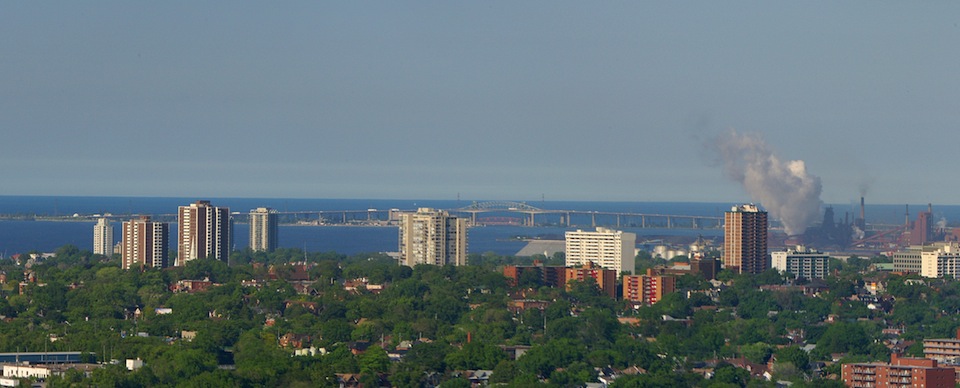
(491, 100)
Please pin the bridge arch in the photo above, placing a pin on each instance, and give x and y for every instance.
(499, 205)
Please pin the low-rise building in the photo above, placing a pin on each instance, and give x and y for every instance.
(549, 275)
(942, 262)
(647, 289)
(900, 371)
(944, 350)
(606, 279)
(43, 372)
(802, 262)
(910, 259)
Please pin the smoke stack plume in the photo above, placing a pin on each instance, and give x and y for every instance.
(785, 189)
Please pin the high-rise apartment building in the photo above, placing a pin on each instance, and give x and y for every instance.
(205, 232)
(144, 244)
(430, 236)
(745, 239)
(103, 237)
(610, 249)
(263, 229)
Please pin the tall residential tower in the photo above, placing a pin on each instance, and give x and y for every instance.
(263, 229)
(745, 240)
(432, 237)
(103, 237)
(205, 232)
(144, 244)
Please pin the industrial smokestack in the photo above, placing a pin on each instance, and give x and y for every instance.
(785, 189)
(863, 212)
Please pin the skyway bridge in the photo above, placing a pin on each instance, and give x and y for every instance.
(479, 213)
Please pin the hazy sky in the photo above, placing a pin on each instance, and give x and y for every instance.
(491, 100)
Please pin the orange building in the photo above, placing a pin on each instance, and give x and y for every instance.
(606, 278)
(900, 372)
(647, 289)
(745, 240)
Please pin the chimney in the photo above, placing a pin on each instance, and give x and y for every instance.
(863, 211)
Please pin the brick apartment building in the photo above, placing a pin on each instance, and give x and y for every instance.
(647, 289)
(900, 372)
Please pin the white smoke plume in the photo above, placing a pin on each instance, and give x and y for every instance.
(784, 189)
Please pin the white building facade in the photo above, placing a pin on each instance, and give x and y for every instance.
(606, 248)
(430, 236)
(103, 237)
(944, 262)
(263, 229)
(801, 262)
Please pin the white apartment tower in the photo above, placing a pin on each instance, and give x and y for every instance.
(263, 229)
(205, 232)
(431, 236)
(103, 237)
(144, 244)
(606, 248)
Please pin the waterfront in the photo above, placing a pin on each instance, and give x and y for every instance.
(47, 236)
(18, 236)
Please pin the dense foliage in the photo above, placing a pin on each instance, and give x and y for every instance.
(455, 319)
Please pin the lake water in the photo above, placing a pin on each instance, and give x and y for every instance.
(45, 236)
